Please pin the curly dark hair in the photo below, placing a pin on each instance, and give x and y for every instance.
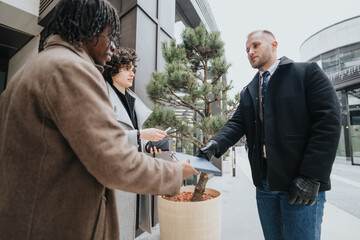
(78, 21)
(123, 57)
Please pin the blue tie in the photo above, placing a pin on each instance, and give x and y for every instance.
(265, 76)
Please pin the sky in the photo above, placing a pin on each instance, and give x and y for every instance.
(292, 22)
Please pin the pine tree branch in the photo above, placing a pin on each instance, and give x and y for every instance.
(194, 140)
(186, 104)
(213, 82)
(218, 98)
(172, 103)
(205, 70)
(186, 137)
(196, 124)
(207, 107)
(201, 79)
(215, 100)
(198, 51)
(230, 110)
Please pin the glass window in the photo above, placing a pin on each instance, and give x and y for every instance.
(354, 113)
(341, 150)
(330, 64)
(180, 25)
(350, 59)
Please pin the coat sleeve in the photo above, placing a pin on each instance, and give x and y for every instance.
(324, 111)
(232, 131)
(77, 102)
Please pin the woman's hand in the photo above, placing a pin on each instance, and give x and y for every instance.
(155, 150)
(188, 170)
(152, 134)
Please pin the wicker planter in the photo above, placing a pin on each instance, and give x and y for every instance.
(190, 220)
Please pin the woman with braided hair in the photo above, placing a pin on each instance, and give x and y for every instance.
(62, 152)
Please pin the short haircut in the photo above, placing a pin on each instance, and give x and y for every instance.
(122, 58)
(78, 21)
(265, 32)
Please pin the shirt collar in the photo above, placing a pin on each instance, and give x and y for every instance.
(272, 69)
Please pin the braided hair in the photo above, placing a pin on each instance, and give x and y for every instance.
(122, 58)
(78, 21)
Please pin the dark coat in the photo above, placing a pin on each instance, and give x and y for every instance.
(302, 126)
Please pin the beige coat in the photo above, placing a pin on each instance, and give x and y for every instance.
(62, 150)
(126, 201)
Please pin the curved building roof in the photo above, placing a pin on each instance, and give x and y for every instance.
(337, 35)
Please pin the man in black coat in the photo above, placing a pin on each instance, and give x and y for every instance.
(290, 115)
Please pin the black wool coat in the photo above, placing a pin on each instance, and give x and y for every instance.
(301, 121)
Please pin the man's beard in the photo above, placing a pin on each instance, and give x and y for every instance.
(258, 64)
(261, 61)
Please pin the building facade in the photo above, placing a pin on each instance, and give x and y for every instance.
(145, 24)
(337, 50)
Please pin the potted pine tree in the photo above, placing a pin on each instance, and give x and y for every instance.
(192, 82)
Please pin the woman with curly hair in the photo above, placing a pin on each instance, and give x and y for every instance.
(131, 113)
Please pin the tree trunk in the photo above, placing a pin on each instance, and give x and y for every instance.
(200, 187)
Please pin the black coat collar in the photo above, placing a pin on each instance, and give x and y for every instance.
(253, 86)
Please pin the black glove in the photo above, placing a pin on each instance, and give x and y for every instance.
(209, 150)
(304, 191)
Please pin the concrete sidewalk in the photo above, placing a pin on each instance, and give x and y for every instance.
(339, 222)
(240, 220)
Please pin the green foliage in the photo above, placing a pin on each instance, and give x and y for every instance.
(226, 154)
(211, 124)
(192, 83)
(173, 53)
(219, 66)
(156, 86)
(188, 145)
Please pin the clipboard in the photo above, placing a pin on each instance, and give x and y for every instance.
(200, 164)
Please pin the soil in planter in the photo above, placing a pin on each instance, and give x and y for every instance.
(186, 197)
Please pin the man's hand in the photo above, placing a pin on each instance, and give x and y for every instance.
(209, 150)
(188, 170)
(304, 191)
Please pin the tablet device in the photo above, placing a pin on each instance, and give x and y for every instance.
(200, 164)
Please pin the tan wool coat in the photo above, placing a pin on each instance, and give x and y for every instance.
(62, 152)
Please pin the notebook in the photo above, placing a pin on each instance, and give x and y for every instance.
(200, 164)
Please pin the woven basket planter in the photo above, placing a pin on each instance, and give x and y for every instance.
(190, 220)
